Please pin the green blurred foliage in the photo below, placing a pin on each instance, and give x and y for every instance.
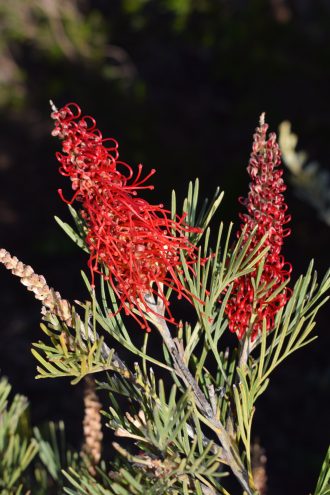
(51, 32)
(17, 446)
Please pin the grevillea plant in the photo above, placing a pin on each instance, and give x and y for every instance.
(182, 413)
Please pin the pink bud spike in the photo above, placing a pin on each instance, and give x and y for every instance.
(266, 211)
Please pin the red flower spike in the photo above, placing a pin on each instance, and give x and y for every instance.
(266, 211)
(138, 243)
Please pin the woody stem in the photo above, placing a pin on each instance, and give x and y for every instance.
(229, 447)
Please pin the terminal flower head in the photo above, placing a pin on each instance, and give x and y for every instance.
(133, 244)
(265, 212)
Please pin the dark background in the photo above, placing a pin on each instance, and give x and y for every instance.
(180, 84)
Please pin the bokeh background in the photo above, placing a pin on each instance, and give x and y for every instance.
(181, 85)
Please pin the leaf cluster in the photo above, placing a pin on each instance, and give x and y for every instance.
(168, 440)
(17, 447)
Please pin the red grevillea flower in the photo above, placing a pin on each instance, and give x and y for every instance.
(266, 212)
(133, 244)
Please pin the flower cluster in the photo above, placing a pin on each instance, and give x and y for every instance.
(266, 214)
(133, 244)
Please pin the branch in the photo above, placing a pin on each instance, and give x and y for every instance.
(229, 447)
(53, 303)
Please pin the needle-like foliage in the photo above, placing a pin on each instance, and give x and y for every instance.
(180, 400)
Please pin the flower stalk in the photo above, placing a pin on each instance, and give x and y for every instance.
(138, 243)
(255, 297)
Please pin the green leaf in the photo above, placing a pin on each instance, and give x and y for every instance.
(74, 236)
(323, 483)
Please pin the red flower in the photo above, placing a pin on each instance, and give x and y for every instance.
(266, 211)
(133, 244)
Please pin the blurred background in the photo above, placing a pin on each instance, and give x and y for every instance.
(180, 84)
